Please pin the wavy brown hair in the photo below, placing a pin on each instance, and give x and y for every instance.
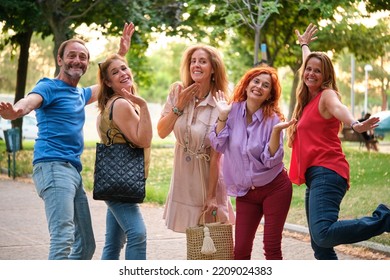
(269, 106)
(302, 93)
(219, 80)
(106, 92)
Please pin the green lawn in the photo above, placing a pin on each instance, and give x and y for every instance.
(370, 179)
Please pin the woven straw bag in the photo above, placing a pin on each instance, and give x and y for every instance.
(211, 241)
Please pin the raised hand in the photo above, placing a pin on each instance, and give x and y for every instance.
(308, 36)
(368, 124)
(127, 33)
(7, 111)
(274, 142)
(283, 125)
(136, 99)
(186, 95)
(222, 105)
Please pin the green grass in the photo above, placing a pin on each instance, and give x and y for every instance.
(370, 179)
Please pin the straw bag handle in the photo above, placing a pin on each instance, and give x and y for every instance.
(202, 219)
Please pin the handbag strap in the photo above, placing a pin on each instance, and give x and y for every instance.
(108, 132)
(202, 219)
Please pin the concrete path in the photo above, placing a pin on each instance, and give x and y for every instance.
(24, 235)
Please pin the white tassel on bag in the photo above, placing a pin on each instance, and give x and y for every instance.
(208, 247)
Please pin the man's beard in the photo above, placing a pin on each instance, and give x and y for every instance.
(74, 74)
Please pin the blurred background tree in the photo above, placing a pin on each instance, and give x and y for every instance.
(165, 28)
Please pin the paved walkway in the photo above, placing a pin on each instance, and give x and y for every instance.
(24, 235)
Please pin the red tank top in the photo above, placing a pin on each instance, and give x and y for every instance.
(316, 143)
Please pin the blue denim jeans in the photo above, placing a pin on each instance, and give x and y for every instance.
(60, 186)
(324, 193)
(124, 224)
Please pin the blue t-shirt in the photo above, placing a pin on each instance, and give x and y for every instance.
(60, 118)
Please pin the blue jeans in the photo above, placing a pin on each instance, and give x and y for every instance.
(60, 186)
(324, 193)
(124, 221)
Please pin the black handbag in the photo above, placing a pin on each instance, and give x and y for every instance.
(119, 171)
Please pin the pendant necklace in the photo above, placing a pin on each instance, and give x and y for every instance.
(199, 99)
(188, 135)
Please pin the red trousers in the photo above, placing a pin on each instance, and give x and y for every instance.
(271, 201)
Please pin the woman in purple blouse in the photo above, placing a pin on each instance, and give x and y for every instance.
(249, 134)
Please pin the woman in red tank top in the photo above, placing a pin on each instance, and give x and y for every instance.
(317, 158)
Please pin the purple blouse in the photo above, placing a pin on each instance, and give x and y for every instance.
(246, 158)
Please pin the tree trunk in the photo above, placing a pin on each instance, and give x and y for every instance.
(256, 47)
(23, 40)
(385, 85)
(293, 98)
(59, 37)
(57, 23)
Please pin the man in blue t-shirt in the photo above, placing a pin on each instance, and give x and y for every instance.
(59, 106)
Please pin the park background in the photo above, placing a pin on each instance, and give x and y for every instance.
(353, 33)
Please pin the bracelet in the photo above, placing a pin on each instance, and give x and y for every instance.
(304, 45)
(352, 124)
(177, 112)
(222, 120)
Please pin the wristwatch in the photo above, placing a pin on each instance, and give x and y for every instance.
(176, 111)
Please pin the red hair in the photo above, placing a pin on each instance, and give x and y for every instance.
(269, 106)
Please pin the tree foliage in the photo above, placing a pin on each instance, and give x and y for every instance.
(377, 5)
(227, 24)
(60, 18)
(336, 20)
(64, 16)
(253, 14)
(16, 17)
